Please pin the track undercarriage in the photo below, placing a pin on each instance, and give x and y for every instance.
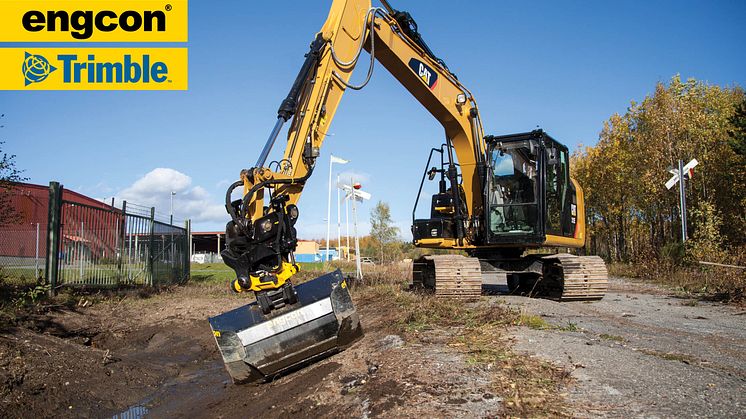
(563, 277)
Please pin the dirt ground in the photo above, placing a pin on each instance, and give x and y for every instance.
(637, 353)
(157, 357)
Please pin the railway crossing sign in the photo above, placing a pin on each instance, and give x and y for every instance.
(688, 170)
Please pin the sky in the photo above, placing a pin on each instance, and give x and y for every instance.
(564, 66)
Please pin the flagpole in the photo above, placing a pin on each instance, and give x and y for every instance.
(329, 207)
(359, 268)
(347, 222)
(339, 223)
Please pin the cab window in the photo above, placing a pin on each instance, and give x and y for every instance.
(557, 182)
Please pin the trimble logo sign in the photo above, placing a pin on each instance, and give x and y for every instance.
(93, 69)
(93, 21)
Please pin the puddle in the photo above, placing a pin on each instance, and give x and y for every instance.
(181, 395)
(134, 412)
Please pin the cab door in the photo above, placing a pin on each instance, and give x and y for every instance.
(560, 194)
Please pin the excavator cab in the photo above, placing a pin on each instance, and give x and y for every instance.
(528, 193)
(529, 196)
(513, 187)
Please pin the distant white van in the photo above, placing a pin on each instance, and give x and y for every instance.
(199, 258)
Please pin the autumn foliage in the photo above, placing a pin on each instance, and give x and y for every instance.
(632, 216)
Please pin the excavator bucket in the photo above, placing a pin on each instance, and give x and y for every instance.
(258, 347)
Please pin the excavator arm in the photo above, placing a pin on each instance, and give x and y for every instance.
(261, 235)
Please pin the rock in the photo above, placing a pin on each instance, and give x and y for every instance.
(391, 342)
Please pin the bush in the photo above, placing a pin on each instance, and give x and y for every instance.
(673, 253)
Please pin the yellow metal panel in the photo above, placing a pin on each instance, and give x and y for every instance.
(94, 21)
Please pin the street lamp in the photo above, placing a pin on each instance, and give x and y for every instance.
(171, 213)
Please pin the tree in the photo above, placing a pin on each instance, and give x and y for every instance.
(631, 214)
(8, 174)
(381, 226)
(738, 132)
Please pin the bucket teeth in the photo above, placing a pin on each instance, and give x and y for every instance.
(256, 346)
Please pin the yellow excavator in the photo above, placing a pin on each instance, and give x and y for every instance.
(498, 198)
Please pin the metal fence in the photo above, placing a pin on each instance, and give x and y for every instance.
(23, 250)
(96, 245)
(104, 247)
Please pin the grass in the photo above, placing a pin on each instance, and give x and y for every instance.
(532, 321)
(535, 322)
(689, 281)
(614, 338)
(529, 387)
(671, 356)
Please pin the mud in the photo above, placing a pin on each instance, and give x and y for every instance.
(157, 358)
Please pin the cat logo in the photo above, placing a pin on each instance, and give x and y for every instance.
(425, 73)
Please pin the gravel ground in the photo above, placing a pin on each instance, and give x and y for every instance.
(641, 352)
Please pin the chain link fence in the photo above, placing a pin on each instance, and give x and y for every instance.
(91, 244)
(23, 252)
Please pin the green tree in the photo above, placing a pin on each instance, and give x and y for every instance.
(382, 229)
(8, 174)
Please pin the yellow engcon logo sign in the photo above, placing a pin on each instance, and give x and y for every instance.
(80, 68)
(93, 21)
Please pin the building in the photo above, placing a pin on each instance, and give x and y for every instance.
(307, 251)
(26, 238)
(207, 245)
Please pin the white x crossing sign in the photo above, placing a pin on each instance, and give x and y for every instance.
(688, 173)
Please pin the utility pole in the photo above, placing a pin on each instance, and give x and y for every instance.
(347, 222)
(339, 224)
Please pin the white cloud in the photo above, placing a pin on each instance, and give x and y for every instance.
(190, 202)
(358, 177)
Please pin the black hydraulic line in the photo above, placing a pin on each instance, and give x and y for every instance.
(388, 7)
(290, 104)
(228, 204)
(409, 27)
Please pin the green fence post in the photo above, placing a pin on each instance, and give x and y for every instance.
(123, 267)
(151, 246)
(188, 250)
(53, 236)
